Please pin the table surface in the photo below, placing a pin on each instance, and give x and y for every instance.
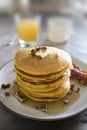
(76, 47)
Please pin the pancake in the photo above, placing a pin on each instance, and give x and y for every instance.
(55, 61)
(43, 73)
(41, 78)
(48, 97)
(53, 93)
(46, 87)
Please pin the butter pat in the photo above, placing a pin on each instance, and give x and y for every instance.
(42, 53)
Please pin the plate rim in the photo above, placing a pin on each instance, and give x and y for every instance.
(41, 119)
(38, 118)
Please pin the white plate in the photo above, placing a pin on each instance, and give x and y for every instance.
(7, 75)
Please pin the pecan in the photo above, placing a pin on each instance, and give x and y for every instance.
(42, 107)
(66, 101)
(5, 86)
(38, 48)
(20, 96)
(33, 51)
(43, 48)
(7, 94)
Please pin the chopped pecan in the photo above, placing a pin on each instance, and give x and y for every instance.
(42, 107)
(20, 96)
(38, 48)
(7, 94)
(33, 51)
(5, 86)
(66, 101)
(43, 48)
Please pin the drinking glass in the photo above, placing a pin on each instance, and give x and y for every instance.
(28, 30)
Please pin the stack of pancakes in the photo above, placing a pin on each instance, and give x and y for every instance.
(43, 73)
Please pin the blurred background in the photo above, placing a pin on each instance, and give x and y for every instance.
(74, 9)
(43, 6)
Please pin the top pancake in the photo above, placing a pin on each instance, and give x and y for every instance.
(55, 61)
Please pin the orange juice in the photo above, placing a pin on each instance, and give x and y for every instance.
(28, 30)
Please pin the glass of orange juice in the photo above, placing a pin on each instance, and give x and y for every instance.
(28, 30)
